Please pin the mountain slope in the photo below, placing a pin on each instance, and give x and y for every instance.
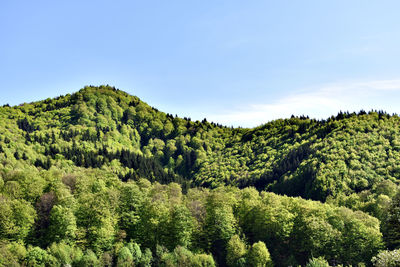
(343, 155)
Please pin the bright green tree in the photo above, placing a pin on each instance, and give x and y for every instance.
(259, 255)
(235, 251)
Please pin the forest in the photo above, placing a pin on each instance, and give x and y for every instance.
(100, 178)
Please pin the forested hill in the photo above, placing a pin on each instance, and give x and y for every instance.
(102, 127)
(349, 160)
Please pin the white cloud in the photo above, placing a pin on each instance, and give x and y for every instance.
(318, 102)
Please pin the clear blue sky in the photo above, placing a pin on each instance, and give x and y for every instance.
(234, 62)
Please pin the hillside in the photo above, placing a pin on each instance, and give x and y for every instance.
(346, 154)
(77, 170)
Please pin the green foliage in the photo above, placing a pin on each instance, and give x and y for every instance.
(180, 227)
(298, 229)
(146, 258)
(62, 224)
(387, 258)
(99, 178)
(89, 259)
(235, 252)
(65, 254)
(134, 248)
(37, 257)
(296, 156)
(391, 224)
(16, 218)
(317, 262)
(259, 255)
(12, 254)
(201, 223)
(125, 258)
(220, 224)
(183, 257)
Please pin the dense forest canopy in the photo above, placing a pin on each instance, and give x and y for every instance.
(100, 178)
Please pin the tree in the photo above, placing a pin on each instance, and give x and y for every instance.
(387, 258)
(259, 255)
(131, 199)
(317, 262)
(65, 254)
(183, 257)
(16, 218)
(62, 224)
(180, 227)
(220, 224)
(12, 254)
(125, 258)
(134, 248)
(202, 260)
(147, 258)
(95, 216)
(89, 259)
(235, 251)
(37, 257)
(391, 224)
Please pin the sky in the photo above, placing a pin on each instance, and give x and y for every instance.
(239, 63)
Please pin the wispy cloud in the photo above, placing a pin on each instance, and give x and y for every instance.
(318, 102)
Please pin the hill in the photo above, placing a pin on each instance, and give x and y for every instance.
(79, 164)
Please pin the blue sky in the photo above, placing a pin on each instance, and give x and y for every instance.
(234, 62)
